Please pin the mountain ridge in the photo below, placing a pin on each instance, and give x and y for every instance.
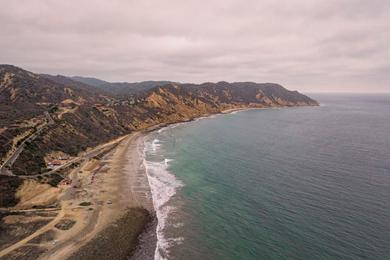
(120, 88)
(75, 116)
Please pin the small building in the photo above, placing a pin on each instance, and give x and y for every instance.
(50, 165)
(56, 162)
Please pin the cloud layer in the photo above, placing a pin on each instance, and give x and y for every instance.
(309, 45)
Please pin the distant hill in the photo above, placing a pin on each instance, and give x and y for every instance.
(69, 81)
(90, 81)
(85, 115)
(115, 89)
(120, 88)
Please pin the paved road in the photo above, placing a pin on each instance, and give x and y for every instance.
(12, 158)
(50, 120)
(87, 155)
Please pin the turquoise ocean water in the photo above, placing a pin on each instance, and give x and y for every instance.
(288, 183)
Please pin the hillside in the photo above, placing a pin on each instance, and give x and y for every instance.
(73, 116)
(119, 88)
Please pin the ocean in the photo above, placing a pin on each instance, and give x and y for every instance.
(279, 183)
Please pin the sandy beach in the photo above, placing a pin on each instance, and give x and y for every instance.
(120, 192)
(105, 211)
(109, 200)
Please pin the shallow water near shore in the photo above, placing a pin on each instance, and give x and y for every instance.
(289, 183)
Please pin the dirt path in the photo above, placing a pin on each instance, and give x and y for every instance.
(119, 184)
(40, 231)
(102, 191)
(61, 250)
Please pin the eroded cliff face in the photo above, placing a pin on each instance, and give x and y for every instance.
(81, 118)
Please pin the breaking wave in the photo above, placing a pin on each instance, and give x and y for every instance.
(163, 186)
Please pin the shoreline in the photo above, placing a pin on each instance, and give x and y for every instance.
(222, 112)
(124, 217)
(128, 159)
(101, 213)
(109, 192)
(152, 227)
(159, 221)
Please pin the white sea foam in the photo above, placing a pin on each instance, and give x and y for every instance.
(155, 144)
(163, 185)
(177, 124)
(178, 225)
(200, 118)
(167, 161)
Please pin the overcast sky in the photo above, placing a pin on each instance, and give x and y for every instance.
(307, 45)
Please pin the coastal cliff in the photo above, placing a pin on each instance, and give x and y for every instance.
(67, 117)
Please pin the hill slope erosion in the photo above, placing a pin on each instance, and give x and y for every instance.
(57, 114)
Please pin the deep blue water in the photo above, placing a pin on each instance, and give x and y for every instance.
(290, 183)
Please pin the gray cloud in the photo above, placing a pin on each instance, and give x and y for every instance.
(309, 45)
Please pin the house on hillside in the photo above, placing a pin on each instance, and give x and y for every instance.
(53, 164)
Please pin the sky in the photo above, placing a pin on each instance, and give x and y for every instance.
(305, 45)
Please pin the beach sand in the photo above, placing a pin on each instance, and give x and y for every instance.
(118, 206)
(101, 215)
